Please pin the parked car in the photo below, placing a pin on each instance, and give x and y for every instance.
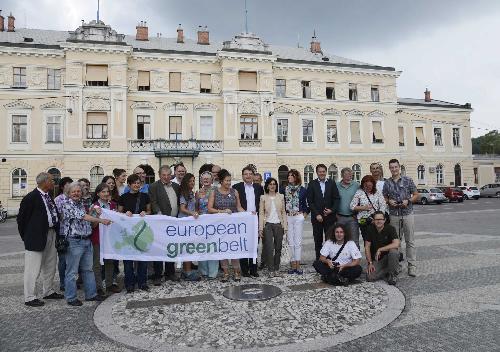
(490, 190)
(470, 192)
(431, 195)
(454, 194)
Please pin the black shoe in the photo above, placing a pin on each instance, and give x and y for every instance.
(245, 274)
(261, 266)
(401, 257)
(100, 292)
(130, 290)
(391, 280)
(34, 303)
(96, 298)
(254, 274)
(75, 303)
(144, 288)
(157, 281)
(343, 281)
(172, 278)
(54, 295)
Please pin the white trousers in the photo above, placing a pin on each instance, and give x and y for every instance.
(295, 227)
(40, 264)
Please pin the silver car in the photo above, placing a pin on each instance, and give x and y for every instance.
(491, 190)
(431, 195)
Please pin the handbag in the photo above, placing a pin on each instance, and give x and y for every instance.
(62, 242)
(368, 220)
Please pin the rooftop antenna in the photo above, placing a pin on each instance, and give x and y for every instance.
(98, 11)
(246, 17)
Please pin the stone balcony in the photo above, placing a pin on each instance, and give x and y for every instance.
(174, 148)
(96, 143)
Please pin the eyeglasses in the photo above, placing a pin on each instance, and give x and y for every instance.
(379, 219)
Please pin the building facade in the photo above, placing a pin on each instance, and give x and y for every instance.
(83, 102)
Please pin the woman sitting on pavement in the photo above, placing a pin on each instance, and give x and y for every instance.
(130, 203)
(102, 201)
(339, 261)
(207, 268)
(272, 224)
(79, 255)
(226, 200)
(188, 208)
(366, 201)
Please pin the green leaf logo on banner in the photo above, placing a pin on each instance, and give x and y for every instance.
(141, 238)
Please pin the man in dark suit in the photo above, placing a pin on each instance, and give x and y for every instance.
(164, 195)
(323, 199)
(249, 193)
(38, 225)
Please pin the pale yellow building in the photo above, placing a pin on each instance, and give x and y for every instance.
(83, 102)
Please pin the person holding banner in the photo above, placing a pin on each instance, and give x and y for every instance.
(76, 228)
(207, 268)
(272, 224)
(226, 200)
(187, 203)
(130, 203)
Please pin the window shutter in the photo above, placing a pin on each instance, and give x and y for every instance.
(248, 80)
(401, 135)
(355, 132)
(377, 130)
(97, 73)
(175, 81)
(205, 81)
(143, 79)
(97, 118)
(175, 124)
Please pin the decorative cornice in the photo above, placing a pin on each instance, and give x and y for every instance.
(146, 105)
(175, 107)
(376, 113)
(18, 104)
(307, 110)
(249, 107)
(283, 110)
(331, 112)
(52, 105)
(354, 112)
(206, 106)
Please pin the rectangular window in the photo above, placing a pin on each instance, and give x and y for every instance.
(175, 127)
(54, 129)
(248, 127)
(419, 136)
(330, 91)
(456, 137)
(375, 93)
(497, 174)
(205, 83)
(282, 130)
(280, 88)
(331, 131)
(247, 81)
(353, 92)
(97, 125)
(174, 79)
(306, 89)
(19, 77)
(307, 130)
(476, 176)
(97, 75)
(355, 132)
(206, 128)
(438, 137)
(378, 136)
(53, 78)
(143, 127)
(143, 83)
(401, 132)
(19, 128)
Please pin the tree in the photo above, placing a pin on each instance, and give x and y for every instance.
(487, 144)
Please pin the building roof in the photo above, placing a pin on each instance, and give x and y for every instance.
(53, 39)
(432, 103)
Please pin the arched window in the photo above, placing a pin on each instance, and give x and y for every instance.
(283, 176)
(96, 175)
(356, 172)
(308, 175)
(56, 176)
(19, 183)
(421, 174)
(403, 170)
(333, 172)
(439, 175)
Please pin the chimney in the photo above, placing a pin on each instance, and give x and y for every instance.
(10, 23)
(2, 22)
(180, 34)
(203, 36)
(142, 31)
(427, 95)
(315, 45)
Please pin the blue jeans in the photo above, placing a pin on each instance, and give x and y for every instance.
(61, 267)
(209, 268)
(131, 278)
(79, 256)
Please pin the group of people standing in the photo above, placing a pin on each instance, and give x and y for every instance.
(339, 210)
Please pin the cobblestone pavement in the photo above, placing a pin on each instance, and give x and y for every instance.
(453, 304)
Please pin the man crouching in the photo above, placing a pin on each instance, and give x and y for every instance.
(381, 250)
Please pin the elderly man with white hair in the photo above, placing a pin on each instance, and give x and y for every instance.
(38, 225)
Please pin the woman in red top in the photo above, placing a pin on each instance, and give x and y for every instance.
(103, 201)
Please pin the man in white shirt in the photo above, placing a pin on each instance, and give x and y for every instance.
(179, 172)
(215, 175)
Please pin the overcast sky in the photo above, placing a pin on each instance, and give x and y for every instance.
(451, 47)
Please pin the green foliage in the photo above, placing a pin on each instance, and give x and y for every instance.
(487, 144)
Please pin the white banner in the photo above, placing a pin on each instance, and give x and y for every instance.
(167, 239)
